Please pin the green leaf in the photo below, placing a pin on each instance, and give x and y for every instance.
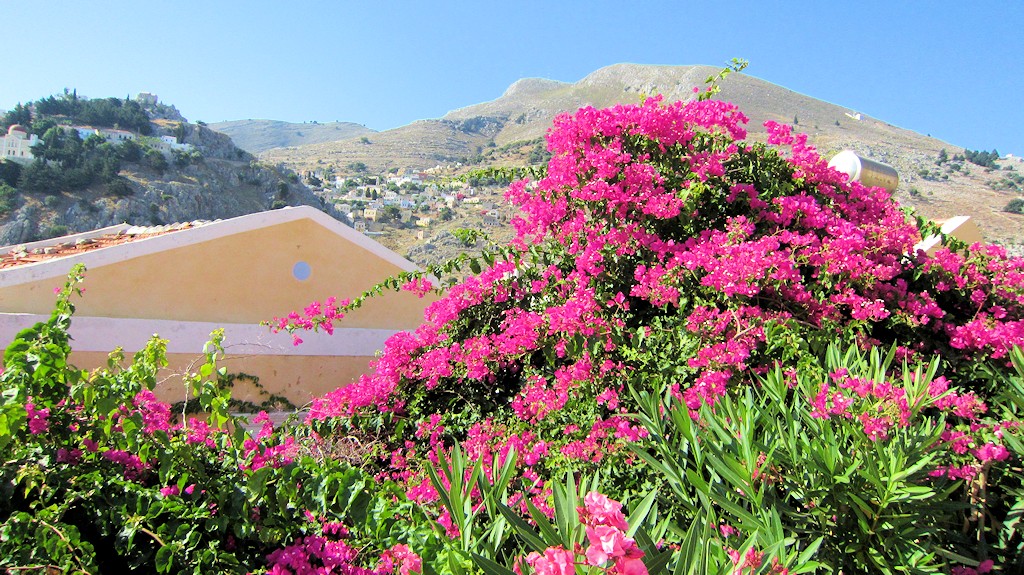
(490, 567)
(639, 513)
(164, 559)
(522, 529)
(550, 535)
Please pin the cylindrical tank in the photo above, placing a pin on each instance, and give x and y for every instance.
(868, 172)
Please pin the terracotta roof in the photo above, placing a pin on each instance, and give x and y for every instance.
(12, 256)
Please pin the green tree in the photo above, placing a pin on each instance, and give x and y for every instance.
(130, 151)
(119, 187)
(156, 160)
(10, 172)
(8, 199)
(179, 132)
(40, 177)
(389, 214)
(21, 114)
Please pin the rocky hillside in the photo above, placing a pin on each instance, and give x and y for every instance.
(474, 135)
(255, 136)
(208, 178)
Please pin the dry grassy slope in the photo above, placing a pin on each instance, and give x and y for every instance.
(525, 111)
(423, 144)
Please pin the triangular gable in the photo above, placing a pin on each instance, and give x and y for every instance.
(240, 270)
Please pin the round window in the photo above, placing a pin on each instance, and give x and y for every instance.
(301, 271)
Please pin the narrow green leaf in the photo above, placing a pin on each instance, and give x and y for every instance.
(522, 528)
(489, 567)
(639, 514)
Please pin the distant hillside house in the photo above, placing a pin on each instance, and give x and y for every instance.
(17, 144)
(184, 281)
(169, 143)
(111, 135)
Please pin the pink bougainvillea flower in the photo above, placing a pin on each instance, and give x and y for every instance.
(399, 559)
(38, 419)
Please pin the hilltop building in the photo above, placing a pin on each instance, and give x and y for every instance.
(184, 281)
(17, 144)
(147, 99)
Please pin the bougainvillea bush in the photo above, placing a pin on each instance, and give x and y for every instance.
(698, 355)
(664, 256)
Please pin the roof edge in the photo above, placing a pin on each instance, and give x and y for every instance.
(68, 239)
(60, 266)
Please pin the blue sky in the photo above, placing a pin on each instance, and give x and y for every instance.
(954, 70)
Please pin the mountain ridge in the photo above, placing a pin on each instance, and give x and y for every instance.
(258, 135)
(524, 112)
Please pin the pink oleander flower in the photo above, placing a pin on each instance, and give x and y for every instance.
(983, 567)
(610, 544)
(554, 561)
(748, 562)
(598, 509)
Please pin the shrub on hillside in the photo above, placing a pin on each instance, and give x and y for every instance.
(1015, 206)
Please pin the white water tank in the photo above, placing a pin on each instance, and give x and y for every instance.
(868, 172)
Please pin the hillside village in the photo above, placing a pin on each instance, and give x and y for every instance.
(73, 164)
(421, 199)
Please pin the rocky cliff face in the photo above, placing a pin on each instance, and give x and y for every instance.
(217, 181)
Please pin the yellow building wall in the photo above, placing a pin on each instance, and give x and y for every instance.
(243, 278)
